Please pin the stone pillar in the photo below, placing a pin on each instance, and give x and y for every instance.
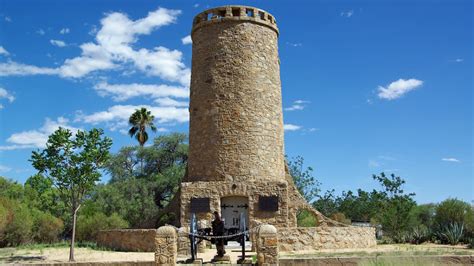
(166, 246)
(267, 245)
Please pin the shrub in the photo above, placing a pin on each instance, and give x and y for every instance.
(419, 234)
(453, 233)
(471, 243)
(305, 218)
(340, 217)
(89, 226)
(19, 227)
(47, 228)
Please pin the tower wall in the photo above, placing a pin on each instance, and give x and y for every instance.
(236, 124)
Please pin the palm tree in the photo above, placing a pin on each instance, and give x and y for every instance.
(140, 120)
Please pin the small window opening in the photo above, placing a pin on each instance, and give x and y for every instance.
(270, 18)
(249, 12)
(262, 15)
(221, 13)
(235, 12)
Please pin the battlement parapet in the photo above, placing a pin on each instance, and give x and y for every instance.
(234, 13)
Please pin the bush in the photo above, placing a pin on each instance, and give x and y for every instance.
(89, 226)
(453, 233)
(47, 228)
(419, 234)
(340, 217)
(454, 211)
(19, 227)
(306, 218)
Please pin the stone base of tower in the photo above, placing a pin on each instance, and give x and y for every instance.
(228, 197)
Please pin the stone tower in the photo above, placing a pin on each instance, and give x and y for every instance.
(236, 159)
(236, 162)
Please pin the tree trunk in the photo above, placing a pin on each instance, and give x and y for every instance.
(73, 237)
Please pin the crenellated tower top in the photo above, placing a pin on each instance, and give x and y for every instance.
(234, 13)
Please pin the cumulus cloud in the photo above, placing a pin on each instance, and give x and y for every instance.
(113, 48)
(122, 92)
(16, 69)
(116, 117)
(57, 43)
(297, 105)
(452, 160)
(291, 127)
(36, 138)
(3, 51)
(64, 31)
(187, 40)
(166, 101)
(398, 88)
(4, 94)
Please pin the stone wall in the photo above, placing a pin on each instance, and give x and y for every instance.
(128, 239)
(252, 190)
(325, 237)
(236, 121)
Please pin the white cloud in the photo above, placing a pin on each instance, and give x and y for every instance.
(297, 105)
(4, 94)
(291, 127)
(64, 31)
(41, 32)
(36, 138)
(347, 14)
(57, 43)
(4, 168)
(116, 117)
(16, 69)
(170, 102)
(187, 40)
(1, 106)
(398, 88)
(3, 51)
(458, 60)
(8, 19)
(196, 5)
(313, 129)
(113, 48)
(452, 160)
(122, 92)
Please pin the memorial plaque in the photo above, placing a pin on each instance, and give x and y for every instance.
(200, 205)
(268, 203)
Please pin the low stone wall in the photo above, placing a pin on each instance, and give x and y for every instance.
(128, 239)
(325, 237)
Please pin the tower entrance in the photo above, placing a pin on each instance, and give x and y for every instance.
(231, 209)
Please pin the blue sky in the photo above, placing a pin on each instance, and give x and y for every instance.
(368, 86)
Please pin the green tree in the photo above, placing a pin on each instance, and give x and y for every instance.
(140, 120)
(395, 211)
(72, 163)
(304, 180)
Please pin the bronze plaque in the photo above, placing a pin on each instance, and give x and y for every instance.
(200, 205)
(268, 203)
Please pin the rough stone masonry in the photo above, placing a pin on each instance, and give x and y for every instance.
(236, 146)
(236, 149)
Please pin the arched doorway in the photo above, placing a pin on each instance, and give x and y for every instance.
(231, 208)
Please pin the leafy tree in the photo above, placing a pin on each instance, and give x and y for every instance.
(304, 180)
(395, 210)
(135, 195)
(140, 120)
(72, 163)
(327, 204)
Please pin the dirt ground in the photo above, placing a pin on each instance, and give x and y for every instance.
(61, 254)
